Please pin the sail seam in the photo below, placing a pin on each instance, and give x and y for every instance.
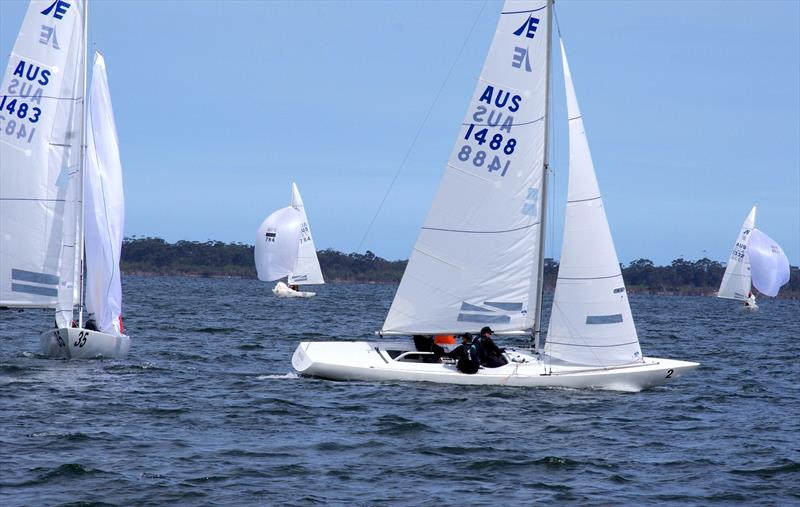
(588, 277)
(523, 12)
(590, 346)
(511, 125)
(575, 117)
(482, 232)
(30, 199)
(585, 200)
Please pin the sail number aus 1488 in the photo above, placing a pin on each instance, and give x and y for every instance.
(480, 157)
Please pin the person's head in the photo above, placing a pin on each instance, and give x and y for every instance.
(486, 332)
(466, 338)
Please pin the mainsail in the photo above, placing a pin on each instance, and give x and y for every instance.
(769, 265)
(736, 280)
(475, 261)
(277, 243)
(591, 321)
(104, 208)
(306, 270)
(41, 100)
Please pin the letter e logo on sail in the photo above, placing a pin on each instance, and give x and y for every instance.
(58, 8)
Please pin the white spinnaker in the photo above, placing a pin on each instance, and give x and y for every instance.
(277, 243)
(591, 321)
(736, 280)
(768, 264)
(104, 206)
(475, 261)
(39, 159)
(306, 269)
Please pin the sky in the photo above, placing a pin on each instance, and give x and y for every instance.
(692, 110)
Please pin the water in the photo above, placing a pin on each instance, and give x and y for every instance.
(205, 410)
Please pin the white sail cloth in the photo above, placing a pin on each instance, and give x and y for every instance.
(475, 261)
(306, 270)
(768, 264)
(40, 134)
(736, 280)
(104, 207)
(277, 243)
(591, 321)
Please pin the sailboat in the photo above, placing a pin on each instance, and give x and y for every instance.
(61, 199)
(285, 249)
(478, 260)
(756, 260)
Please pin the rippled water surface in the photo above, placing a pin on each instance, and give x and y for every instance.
(205, 410)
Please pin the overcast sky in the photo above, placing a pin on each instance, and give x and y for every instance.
(692, 110)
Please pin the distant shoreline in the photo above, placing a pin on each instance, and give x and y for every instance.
(215, 259)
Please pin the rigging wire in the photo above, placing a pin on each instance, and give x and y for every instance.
(422, 126)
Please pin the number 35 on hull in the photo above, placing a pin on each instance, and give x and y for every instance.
(77, 343)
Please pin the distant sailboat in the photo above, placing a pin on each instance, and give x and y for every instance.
(285, 248)
(478, 260)
(756, 260)
(61, 185)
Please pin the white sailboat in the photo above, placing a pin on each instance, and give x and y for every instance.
(47, 175)
(478, 260)
(756, 260)
(284, 248)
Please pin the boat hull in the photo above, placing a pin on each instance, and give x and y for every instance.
(77, 343)
(374, 361)
(282, 291)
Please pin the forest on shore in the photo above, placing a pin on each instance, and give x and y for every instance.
(155, 256)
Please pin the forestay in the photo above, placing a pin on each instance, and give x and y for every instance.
(40, 134)
(306, 268)
(591, 320)
(277, 244)
(736, 280)
(475, 261)
(768, 263)
(104, 206)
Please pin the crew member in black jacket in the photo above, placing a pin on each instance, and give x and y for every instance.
(466, 355)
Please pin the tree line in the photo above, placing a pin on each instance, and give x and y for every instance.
(148, 255)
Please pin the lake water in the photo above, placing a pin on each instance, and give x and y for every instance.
(206, 410)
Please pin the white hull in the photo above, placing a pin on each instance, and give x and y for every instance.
(374, 361)
(77, 343)
(283, 291)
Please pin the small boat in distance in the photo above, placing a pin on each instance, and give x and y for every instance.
(478, 260)
(61, 198)
(284, 248)
(756, 260)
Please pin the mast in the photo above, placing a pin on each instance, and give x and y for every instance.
(537, 325)
(84, 110)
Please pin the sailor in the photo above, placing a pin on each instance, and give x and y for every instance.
(491, 355)
(427, 344)
(466, 355)
(295, 287)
